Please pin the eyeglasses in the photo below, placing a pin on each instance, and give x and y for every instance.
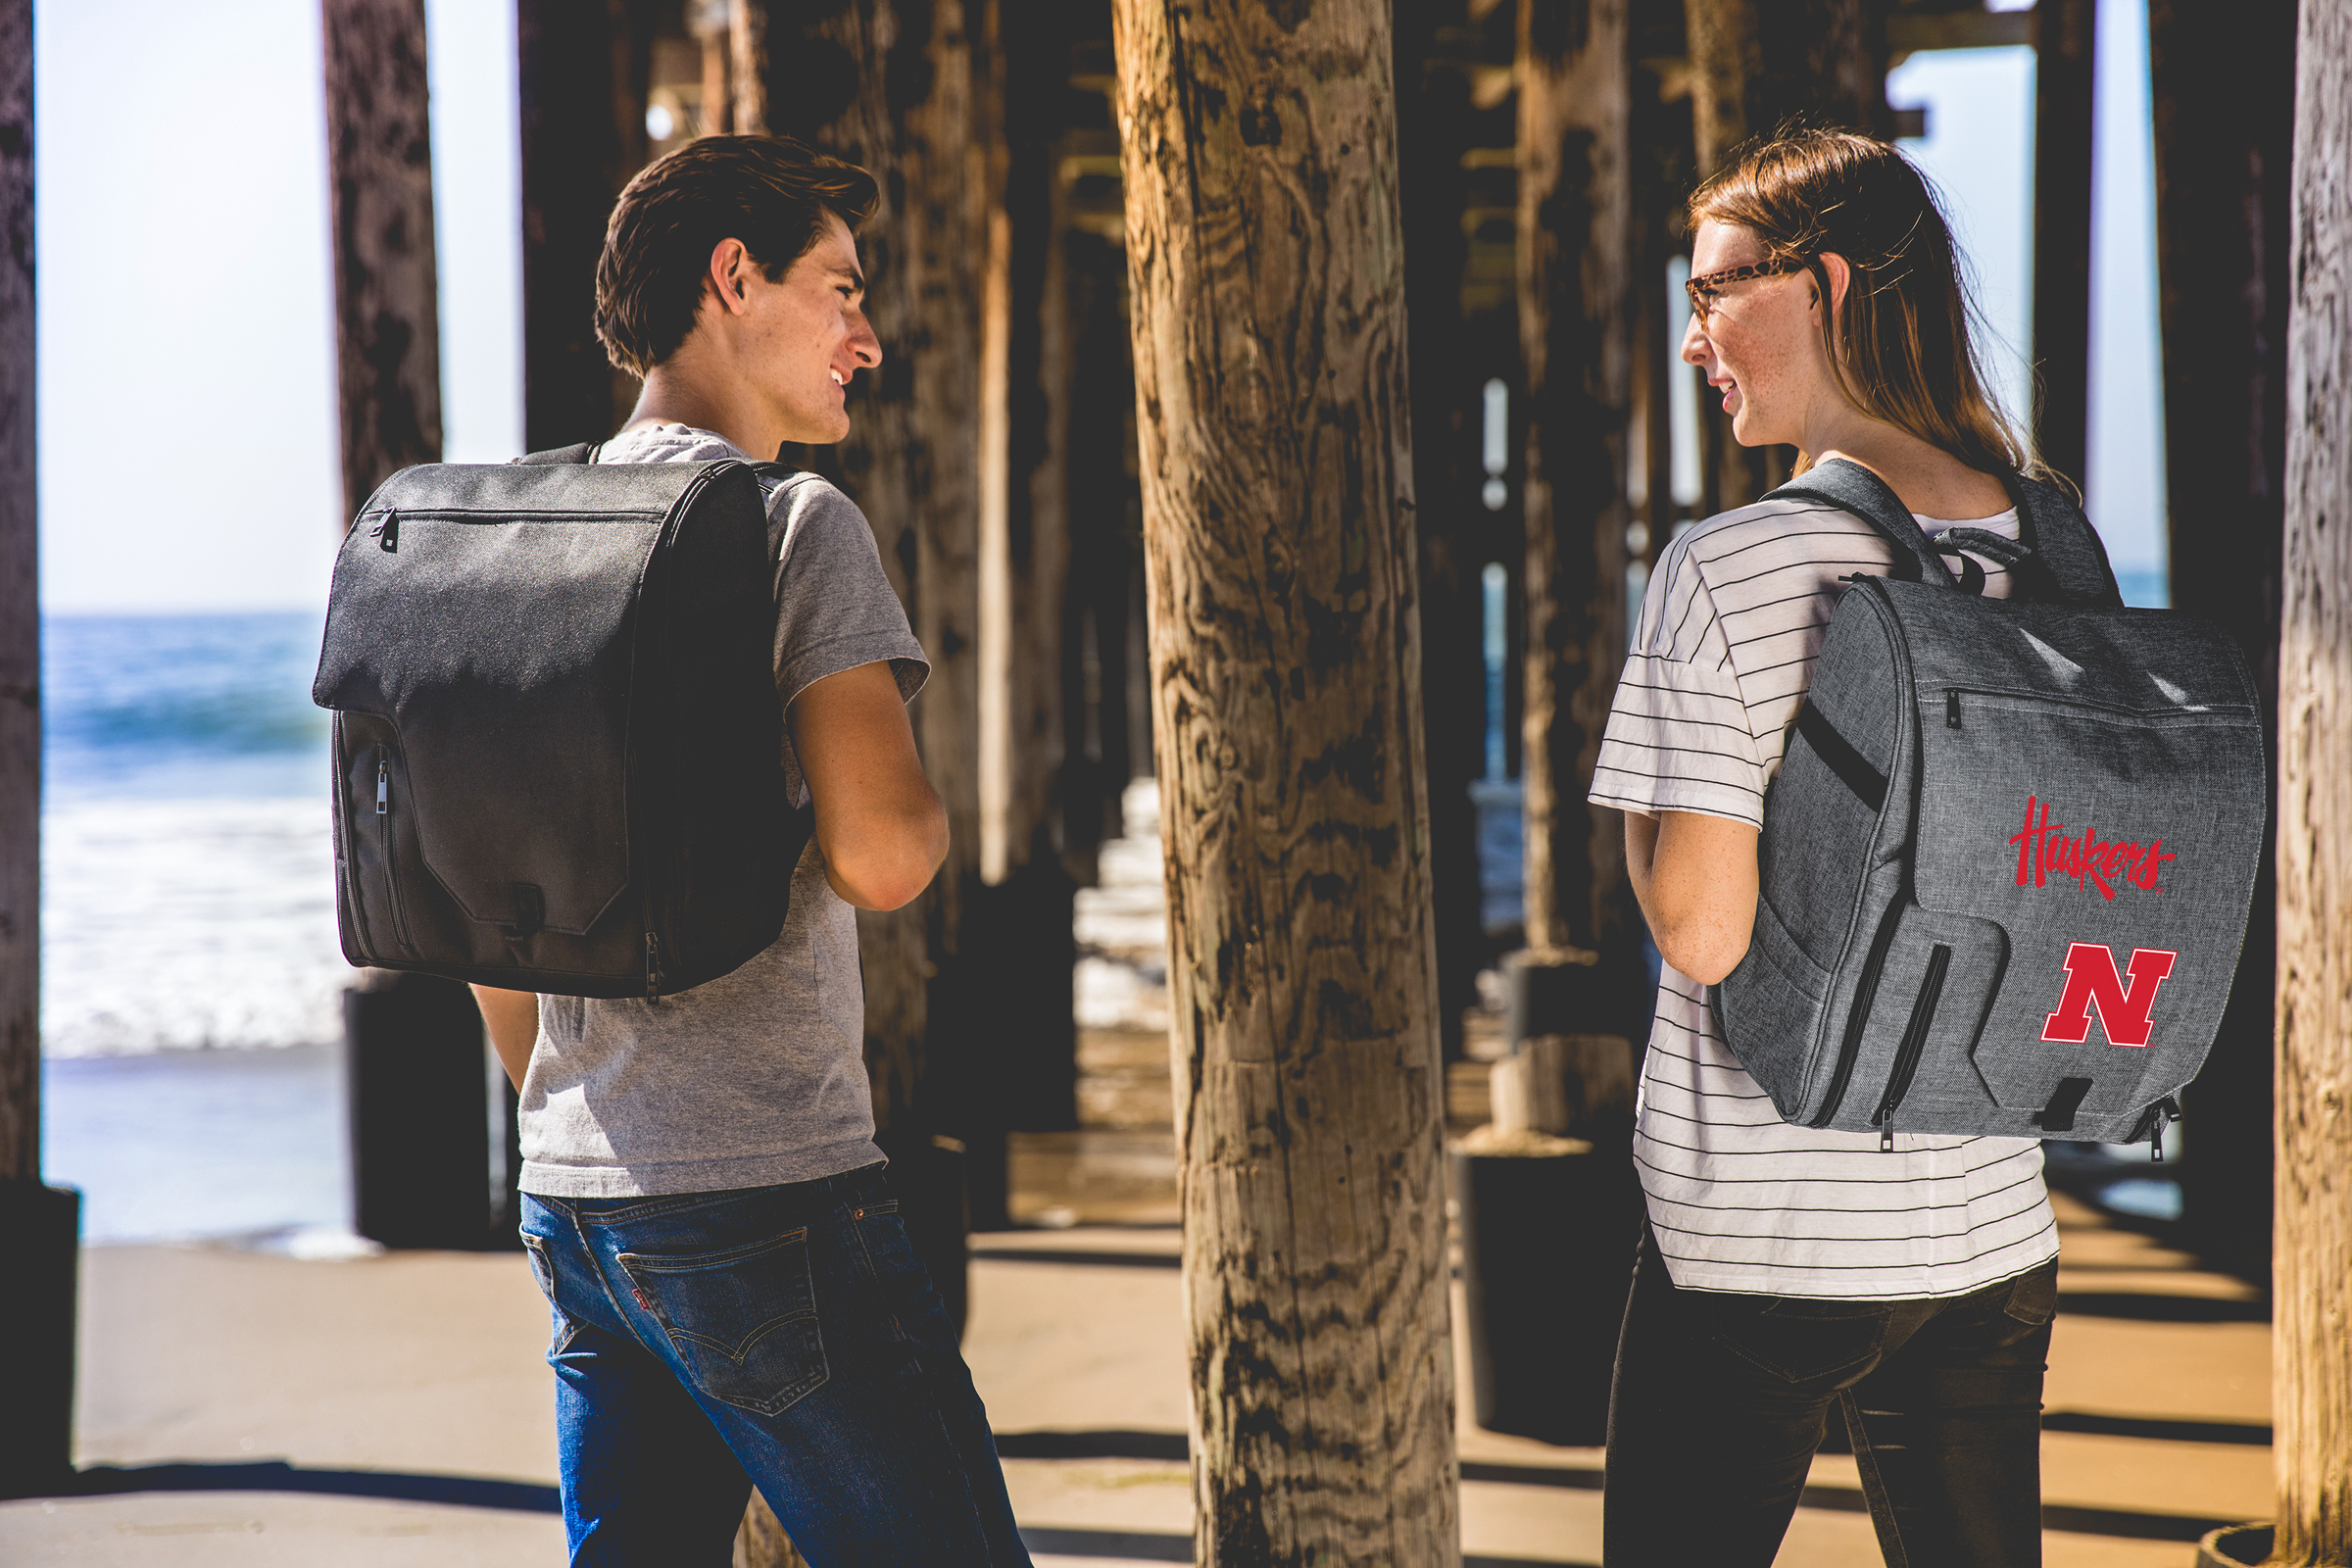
(1703, 289)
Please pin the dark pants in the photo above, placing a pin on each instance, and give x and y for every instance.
(779, 1335)
(1720, 1401)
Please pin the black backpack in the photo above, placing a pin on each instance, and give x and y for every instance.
(2007, 861)
(558, 749)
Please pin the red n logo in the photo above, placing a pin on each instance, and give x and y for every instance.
(2090, 978)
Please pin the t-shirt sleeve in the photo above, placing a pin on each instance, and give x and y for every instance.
(835, 609)
(1679, 736)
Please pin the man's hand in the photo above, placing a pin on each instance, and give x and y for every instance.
(513, 1018)
(879, 824)
(1697, 878)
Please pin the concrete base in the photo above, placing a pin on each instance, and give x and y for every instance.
(41, 1227)
(2238, 1546)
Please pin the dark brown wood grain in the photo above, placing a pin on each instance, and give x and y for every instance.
(1265, 267)
(2311, 1369)
(583, 66)
(1576, 249)
(890, 88)
(380, 176)
(20, 623)
(2223, 96)
(1758, 67)
(2064, 51)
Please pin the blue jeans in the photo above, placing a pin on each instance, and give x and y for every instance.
(785, 1336)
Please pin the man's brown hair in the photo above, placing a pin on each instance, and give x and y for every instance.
(770, 192)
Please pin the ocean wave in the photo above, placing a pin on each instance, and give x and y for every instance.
(182, 924)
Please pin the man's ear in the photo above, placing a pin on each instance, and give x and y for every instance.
(730, 268)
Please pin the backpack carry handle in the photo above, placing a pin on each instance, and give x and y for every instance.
(1850, 487)
(2058, 559)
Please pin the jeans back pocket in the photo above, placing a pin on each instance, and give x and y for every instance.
(742, 1320)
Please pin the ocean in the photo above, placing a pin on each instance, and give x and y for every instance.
(190, 974)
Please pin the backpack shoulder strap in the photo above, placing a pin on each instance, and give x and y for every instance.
(2069, 562)
(579, 452)
(1851, 487)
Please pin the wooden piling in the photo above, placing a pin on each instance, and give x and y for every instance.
(20, 623)
(2065, 34)
(1264, 254)
(2223, 96)
(379, 150)
(1575, 254)
(2311, 1368)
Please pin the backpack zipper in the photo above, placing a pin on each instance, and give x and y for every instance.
(1866, 992)
(2168, 1111)
(384, 835)
(1914, 1044)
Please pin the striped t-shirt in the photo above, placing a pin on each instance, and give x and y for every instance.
(1739, 1199)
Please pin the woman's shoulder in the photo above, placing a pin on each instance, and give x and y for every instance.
(1774, 533)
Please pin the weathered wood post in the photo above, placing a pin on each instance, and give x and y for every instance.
(581, 98)
(1267, 269)
(1025, 948)
(1433, 132)
(42, 1224)
(1757, 66)
(380, 178)
(890, 88)
(1575, 251)
(2065, 38)
(413, 1071)
(2312, 1366)
(2224, 93)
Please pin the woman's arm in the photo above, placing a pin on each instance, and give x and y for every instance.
(1695, 876)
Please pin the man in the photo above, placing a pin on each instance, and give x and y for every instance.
(735, 1301)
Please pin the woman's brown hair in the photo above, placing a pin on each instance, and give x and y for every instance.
(770, 192)
(1901, 346)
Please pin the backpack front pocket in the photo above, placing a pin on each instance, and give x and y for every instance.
(379, 837)
(1914, 1023)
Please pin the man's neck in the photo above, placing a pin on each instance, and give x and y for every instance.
(674, 394)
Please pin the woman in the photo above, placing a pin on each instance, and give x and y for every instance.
(1787, 1269)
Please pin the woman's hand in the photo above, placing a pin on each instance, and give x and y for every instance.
(1696, 880)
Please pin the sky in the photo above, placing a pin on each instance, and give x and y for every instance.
(186, 383)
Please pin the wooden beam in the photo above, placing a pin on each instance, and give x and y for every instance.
(2311, 1368)
(1757, 66)
(1265, 251)
(581, 95)
(1434, 133)
(380, 151)
(2223, 98)
(891, 90)
(20, 623)
(2065, 48)
(1575, 253)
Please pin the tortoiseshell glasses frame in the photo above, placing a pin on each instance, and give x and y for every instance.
(1698, 287)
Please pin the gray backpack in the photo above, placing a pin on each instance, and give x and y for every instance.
(2005, 874)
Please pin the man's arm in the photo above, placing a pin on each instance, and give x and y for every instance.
(879, 824)
(512, 1019)
(1697, 878)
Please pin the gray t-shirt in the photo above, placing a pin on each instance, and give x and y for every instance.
(759, 1076)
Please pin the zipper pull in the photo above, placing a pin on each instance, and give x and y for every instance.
(653, 968)
(2168, 1111)
(1951, 709)
(387, 533)
(1886, 1137)
(383, 788)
